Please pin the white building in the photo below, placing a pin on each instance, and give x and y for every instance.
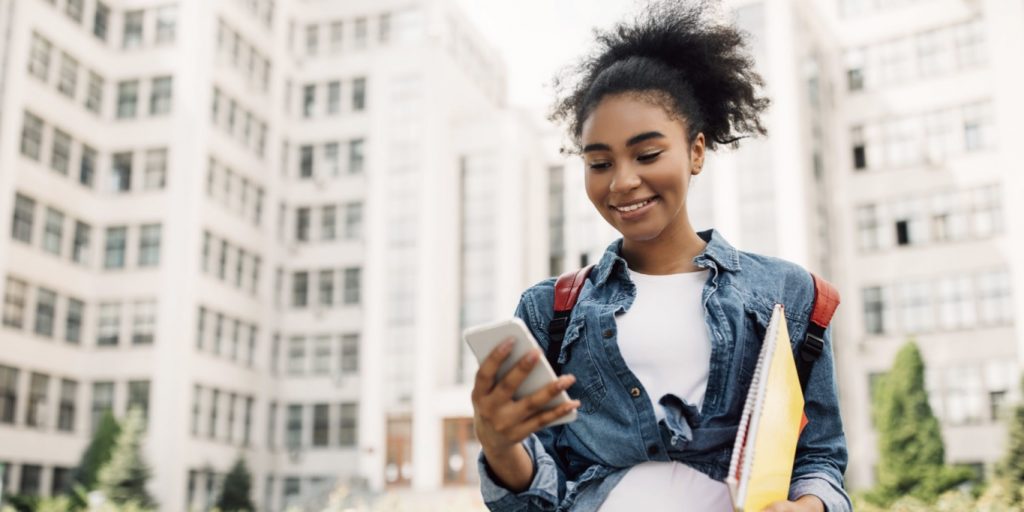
(256, 220)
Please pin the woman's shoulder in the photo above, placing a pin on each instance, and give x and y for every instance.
(777, 279)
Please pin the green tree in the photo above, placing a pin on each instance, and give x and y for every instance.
(234, 496)
(911, 455)
(96, 455)
(1011, 468)
(123, 479)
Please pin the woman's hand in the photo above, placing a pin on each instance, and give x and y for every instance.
(806, 503)
(502, 422)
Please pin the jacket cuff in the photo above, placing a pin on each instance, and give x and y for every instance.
(543, 490)
(821, 486)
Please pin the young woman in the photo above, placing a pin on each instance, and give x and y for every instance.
(661, 346)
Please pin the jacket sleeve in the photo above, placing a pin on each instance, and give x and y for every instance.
(548, 484)
(821, 450)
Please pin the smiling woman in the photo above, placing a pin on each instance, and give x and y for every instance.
(661, 348)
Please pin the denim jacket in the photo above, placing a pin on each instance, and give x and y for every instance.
(576, 465)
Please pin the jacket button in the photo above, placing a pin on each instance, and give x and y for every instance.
(608, 333)
(635, 392)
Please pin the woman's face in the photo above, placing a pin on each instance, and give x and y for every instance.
(636, 155)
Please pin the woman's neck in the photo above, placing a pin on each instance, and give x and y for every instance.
(670, 253)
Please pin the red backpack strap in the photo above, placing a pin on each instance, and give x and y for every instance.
(567, 291)
(826, 300)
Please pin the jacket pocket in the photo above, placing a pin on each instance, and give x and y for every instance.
(589, 387)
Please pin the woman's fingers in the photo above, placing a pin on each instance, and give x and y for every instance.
(503, 392)
(535, 402)
(489, 369)
(542, 419)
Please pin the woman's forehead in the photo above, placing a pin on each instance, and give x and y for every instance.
(617, 118)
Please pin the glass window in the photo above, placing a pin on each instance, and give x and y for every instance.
(108, 328)
(80, 243)
(143, 322)
(68, 405)
(256, 261)
(300, 293)
(117, 243)
(100, 21)
(321, 424)
(14, 302)
(222, 261)
(312, 39)
(166, 24)
(68, 75)
(102, 402)
(127, 98)
(132, 29)
(308, 100)
(75, 319)
(211, 430)
(218, 333)
(331, 158)
(46, 304)
(39, 57)
(859, 148)
(94, 93)
(306, 162)
(333, 97)
(355, 156)
(302, 216)
(296, 355)
(322, 355)
(384, 27)
(31, 476)
(240, 267)
(360, 33)
(349, 354)
(60, 154)
(326, 295)
(160, 96)
(197, 398)
(31, 136)
(87, 166)
(156, 169)
(294, 439)
(232, 398)
(359, 94)
(247, 425)
(348, 424)
(328, 222)
(138, 396)
(53, 231)
(121, 172)
(352, 286)
(24, 214)
(8, 393)
(337, 33)
(460, 451)
(149, 245)
(271, 425)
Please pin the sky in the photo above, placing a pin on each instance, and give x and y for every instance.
(539, 37)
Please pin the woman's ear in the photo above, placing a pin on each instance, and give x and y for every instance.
(697, 154)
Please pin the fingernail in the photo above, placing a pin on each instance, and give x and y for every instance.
(506, 345)
(531, 357)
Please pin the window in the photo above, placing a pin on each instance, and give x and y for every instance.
(349, 354)
(271, 425)
(14, 302)
(232, 398)
(160, 96)
(215, 107)
(127, 98)
(247, 425)
(308, 100)
(359, 94)
(143, 322)
(39, 57)
(46, 304)
(360, 35)
(80, 243)
(326, 295)
(75, 318)
(53, 231)
(296, 355)
(460, 450)
(138, 397)
(68, 75)
(347, 424)
(855, 70)
(166, 24)
(355, 156)
(251, 354)
(322, 355)
(24, 213)
(859, 149)
(957, 306)
(236, 332)
(218, 333)
(354, 221)
(31, 136)
(201, 327)
(121, 172)
(67, 407)
(60, 154)
(331, 161)
(333, 97)
(337, 33)
(100, 21)
(115, 248)
(102, 402)
(306, 162)
(385, 28)
(312, 39)
(351, 295)
(275, 353)
(211, 430)
(38, 388)
(874, 311)
(108, 328)
(87, 166)
(94, 93)
(995, 300)
(8, 394)
(300, 283)
(156, 169)
(197, 397)
(302, 224)
(132, 29)
(239, 267)
(222, 262)
(256, 262)
(149, 245)
(969, 44)
(31, 475)
(294, 439)
(328, 222)
(321, 425)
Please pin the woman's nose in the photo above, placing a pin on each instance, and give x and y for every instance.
(625, 178)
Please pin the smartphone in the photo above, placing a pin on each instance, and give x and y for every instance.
(483, 339)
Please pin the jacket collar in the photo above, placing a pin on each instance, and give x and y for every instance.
(717, 253)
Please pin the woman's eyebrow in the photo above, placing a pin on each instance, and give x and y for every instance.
(636, 139)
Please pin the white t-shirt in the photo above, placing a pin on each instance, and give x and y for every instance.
(664, 342)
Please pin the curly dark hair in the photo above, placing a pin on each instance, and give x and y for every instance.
(673, 55)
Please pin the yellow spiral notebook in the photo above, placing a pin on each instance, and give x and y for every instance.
(762, 456)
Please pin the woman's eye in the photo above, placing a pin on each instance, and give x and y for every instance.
(648, 157)
(600, 165)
